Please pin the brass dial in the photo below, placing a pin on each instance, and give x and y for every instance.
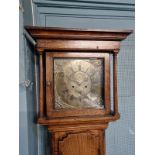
(78, 83)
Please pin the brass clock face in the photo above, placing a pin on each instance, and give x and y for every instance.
(78, 83)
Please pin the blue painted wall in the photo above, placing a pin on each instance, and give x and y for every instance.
(112, 14)
(23, 123)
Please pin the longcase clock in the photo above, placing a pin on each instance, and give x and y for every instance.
(74, 86)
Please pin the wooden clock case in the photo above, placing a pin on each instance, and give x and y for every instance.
(76, 131)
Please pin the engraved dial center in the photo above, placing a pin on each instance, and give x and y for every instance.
(80, 77)
(79, 84)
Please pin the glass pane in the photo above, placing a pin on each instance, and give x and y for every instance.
(78, 83)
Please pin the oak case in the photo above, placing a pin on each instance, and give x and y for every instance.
(76, 131)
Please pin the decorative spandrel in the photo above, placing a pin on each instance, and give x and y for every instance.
(78, 83)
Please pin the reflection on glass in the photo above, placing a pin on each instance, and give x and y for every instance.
(78, 83)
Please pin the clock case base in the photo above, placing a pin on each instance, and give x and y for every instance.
(85, 136)
(81, 140)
